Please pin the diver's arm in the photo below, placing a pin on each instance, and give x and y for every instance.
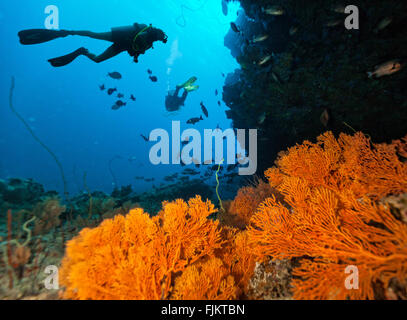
(109, 53)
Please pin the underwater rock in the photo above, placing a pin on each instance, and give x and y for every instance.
(315, 68)
(151, 201)
(22, 190)
(3, 186)
(271, 281)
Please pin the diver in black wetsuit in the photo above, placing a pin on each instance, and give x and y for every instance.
(135, 39)
(173, 101)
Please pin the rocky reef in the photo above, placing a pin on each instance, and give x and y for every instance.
(36, 224)
(302, 72)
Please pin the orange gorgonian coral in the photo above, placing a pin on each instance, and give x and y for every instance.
(245, 204)
(333, 217)
(138, 257)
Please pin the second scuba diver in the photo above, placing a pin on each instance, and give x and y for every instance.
(173, 101)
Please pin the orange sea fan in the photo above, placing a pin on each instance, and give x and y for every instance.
(207, 280)
(333, 216)
(246, 202)
(350, 163)
(137, 257)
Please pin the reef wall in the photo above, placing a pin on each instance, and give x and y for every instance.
(302, 72)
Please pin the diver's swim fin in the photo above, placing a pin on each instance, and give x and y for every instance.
(188, 86)
(67, 59)
(35, 36)
(191, 88)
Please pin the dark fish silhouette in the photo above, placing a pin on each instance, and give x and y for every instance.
(153, 78)
(149, 71)
(194, 120)
(216, 92)
(133, 98)
(223, 75)
(111, 90)
(120, 95)
(115, 75)
(204, 110)
(144, 137)
(118, 105)
(325, 117)
(102, 87)
(219, 104)
(234, 27)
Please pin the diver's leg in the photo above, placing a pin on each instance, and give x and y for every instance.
(107, 36)
(111, 52)
(183, 97)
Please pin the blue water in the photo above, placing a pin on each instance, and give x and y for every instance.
(68, 112)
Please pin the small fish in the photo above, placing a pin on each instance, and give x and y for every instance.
(386, 69)
(111, 90)
(260, 38)
(144, 137)
(234, 27)
(153, 78)
(216, 92)
(262, 117)
(194, 120)
(115, 75)
(383, 24)
(204, 110)
(275, 10)
(223, 75)
(102, 87)
(325, 118)
(293, 31)
(275, 77)
(338, 8)
(120, 95)
(219, 104)
(265, 59)
(333, 23)
(149, 71)
(133, 98)
(120, 103)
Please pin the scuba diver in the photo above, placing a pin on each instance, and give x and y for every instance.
(173, 101)
(135, 39)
